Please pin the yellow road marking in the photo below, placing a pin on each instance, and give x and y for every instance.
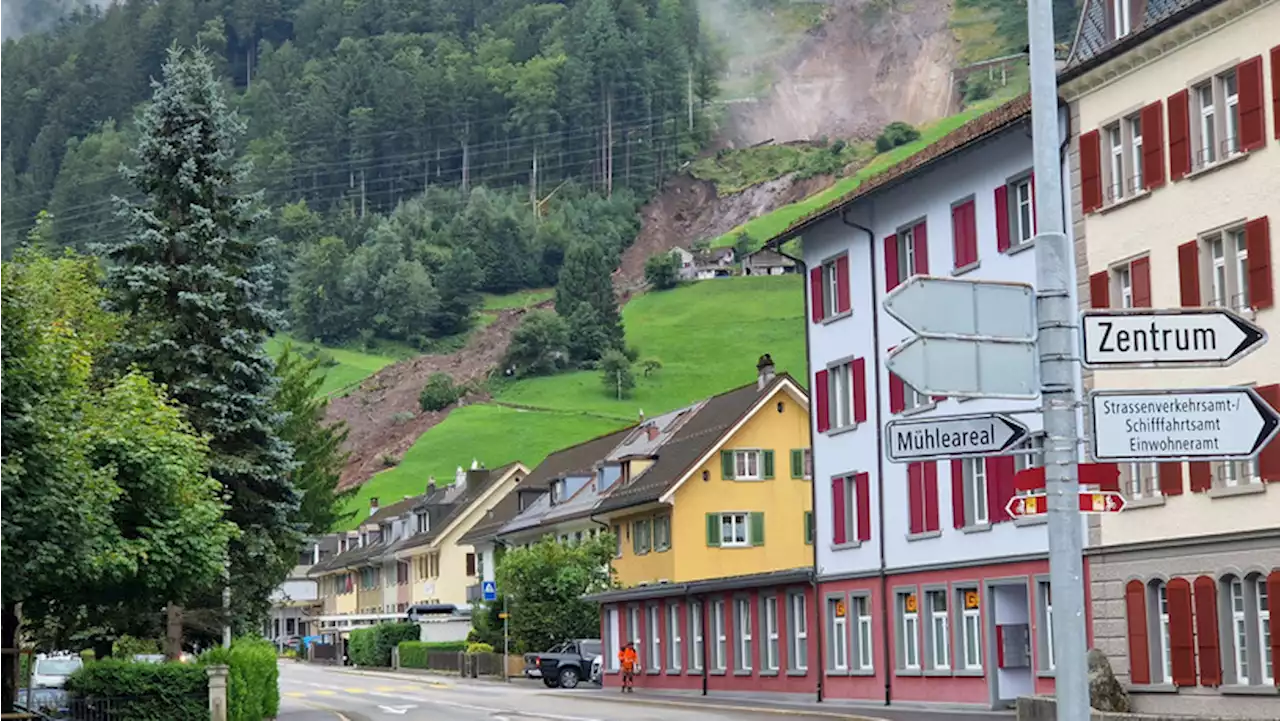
(384, 689)
(326, 692)
(294, 694)
(356, 690)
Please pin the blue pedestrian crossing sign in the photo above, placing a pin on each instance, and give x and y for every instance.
(489, 590)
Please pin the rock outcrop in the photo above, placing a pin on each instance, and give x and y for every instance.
(1105, 692)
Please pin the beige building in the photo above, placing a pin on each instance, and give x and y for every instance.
(1175, 163)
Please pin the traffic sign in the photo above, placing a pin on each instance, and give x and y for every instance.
(981, 434)
(1037, 504)
(489, 590)
(1178, 338)
(986, 309)
(967, 367)
(1202, 424)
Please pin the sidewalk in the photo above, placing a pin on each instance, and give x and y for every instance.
(837, 709)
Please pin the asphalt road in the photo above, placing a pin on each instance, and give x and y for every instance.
(318, 693)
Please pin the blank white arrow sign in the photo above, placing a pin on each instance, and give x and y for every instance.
(399, 710)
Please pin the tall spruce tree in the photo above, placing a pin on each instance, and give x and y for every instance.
(585, 278)
(192, 277)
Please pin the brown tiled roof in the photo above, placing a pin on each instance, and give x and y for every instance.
(574, 460)
(971, 132)
(443, 514)
(677, 456)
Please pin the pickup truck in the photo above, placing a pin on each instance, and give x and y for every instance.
(568, 663)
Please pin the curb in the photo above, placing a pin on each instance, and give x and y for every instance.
(674, 703)
(437, 681)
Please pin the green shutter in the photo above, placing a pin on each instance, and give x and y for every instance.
(713, 529)
(797, 463)
(808, 527)
(726, 465)
(757, 529)
(768, 465)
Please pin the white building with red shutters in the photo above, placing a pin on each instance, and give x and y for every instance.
(929, 593)
(1176, 203)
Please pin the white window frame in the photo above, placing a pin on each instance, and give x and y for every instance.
(1239, 629)
(1230, 88)
(909, 627)
(1140, 480)
(1035, 459)
(862, 606)
(906, 253)
(1122, 18)
(743, 460)
(1226, 262)
(799, 621)
(840, 390)
(939, 629)
(1050, 655)
(1023, 226)
(655, 637)
(771, 647)
(1263, 602)
(975, 491)
(675, 647)
(830, 289)
(742, 617)
(633, 628)
(850, 509)
(1115, 142)
(839, 634)
(1162, 616)
(695, 632)
(612, 621)
(736, 520)
(1208, 131)
(718, 634)
(912, 398)
(1124, 285)
(970, 632)
(662, 540)
(1133, 124)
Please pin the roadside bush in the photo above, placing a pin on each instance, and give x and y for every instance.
(413, 654)
(145, 691)
(253, 680)
(439, 393)
(372, 646)
(479, 648)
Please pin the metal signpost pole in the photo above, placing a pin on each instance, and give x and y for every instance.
(1057, 346)
(506, 640)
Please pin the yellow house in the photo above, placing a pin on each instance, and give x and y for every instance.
(716, 540)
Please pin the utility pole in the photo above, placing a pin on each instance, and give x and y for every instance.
(1056, 322)
(506, 638)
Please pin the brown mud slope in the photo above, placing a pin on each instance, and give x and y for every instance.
(688, 210)
(871, 62)
(371, 411)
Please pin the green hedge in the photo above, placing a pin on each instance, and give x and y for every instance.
(145, 691)
(253, 681)
(413, 654)
(372, 646)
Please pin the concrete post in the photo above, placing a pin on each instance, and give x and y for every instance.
(217, 692)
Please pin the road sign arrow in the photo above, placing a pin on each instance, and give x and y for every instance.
(981, 434)
(1203, 424)
(967, 368)
(970, 308)
(398, 710)
(1183, 337)
(1101, 502)
(1034, 504)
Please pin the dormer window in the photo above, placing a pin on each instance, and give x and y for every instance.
(423, 522)
(1121, 18)
(557, 491)
(384, 533)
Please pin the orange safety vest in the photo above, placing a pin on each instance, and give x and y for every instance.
(628, 658)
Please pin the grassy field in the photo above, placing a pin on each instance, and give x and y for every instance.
(769, 225)
(707, 336)
(492, 434)
(352, 366)
(736, 170)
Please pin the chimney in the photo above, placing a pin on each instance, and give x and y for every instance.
(652, 430)
(460, 478)
(764, 368)
(373, 505)
(431, 485)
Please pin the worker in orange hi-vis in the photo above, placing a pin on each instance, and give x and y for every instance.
(629, 660)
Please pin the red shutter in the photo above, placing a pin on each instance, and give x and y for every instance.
(1140, 272)
(1003, 237)
(843, 303)
(1090, 175)
(1179, 136)
(1135, 603)
(915, 497)
(1273, 591)
(931, 496)
(1269, 458)
(1152, 120)
(1189, 273)
(1105, 475)
(815, 295)
(1275, 98)
(1170, 475)
(890, 263)
(964, 234)
(1182, 643)
(1253, 120)
(1100, 290)
(862, 483)
(859, 390)
(1257, 238)
(823, 410)
(957, 493)
(1000, 487)
(920, 235)
(1201, 476)
(1206, 596)
(897, 394)
(838, 505)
